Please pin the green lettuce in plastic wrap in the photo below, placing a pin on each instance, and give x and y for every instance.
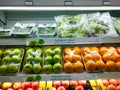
(101, 25)
(97, 26)
(72, 26)
(116, 23)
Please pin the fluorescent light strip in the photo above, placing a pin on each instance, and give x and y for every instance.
(59, 8)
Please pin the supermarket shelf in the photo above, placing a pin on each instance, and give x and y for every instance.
(110, 39)
(61, 41)
(13, 41)
(63, 76)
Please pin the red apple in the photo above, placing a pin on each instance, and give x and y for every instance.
(113, 82)
(6, 85)
(26, 85)
(82, 83)
(74, 83)
(105, 82)
(79, 88)
(65, 83)
(35, 85)
(56, 84)
(111, 87)
(61, 88)
(118, 81)
(17, 85)
(29, 89)
(118, 87)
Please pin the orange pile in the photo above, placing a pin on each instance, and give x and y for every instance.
(92, 59)
(72, 60)
(111, 57)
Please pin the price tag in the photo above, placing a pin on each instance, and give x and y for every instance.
(64, 41)
(61, 77)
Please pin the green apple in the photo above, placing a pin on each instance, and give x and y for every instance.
(29, 59)
(7, 60)
(47, 68)
(48, 51)
(30, 51)
(56, 58)
(39, 51)
(7, 52)
(13, 68)
(57, 50)
(27, 68)
(48, 59)
(3, 69)
(37, 68)
(17, 51)
(57, 68)
(1, 52)
(38, 59)
(16, 59)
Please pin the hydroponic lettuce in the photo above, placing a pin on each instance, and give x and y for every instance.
(117, 25)
(97, 26)
(72, 26)
(101, 25)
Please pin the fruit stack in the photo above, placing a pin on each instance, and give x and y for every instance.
(92, 59)
(52, 59)
(69, 85)
(33, 60)
(10, 60)
(111, 84)
(73, 60)
(110, 57)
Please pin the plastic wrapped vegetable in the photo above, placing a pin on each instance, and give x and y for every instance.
(117, 25)
(72, 26)
(101, 25)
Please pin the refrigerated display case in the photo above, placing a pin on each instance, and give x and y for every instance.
(9, 15)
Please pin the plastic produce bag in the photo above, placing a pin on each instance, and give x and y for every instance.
(116, 22)
(72, 26)
(101, 25)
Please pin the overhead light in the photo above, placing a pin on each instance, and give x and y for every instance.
(54, 8)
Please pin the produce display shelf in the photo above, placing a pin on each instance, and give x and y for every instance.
(63, 76)
(61, 41)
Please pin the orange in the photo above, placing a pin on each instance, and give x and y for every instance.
(77, 58)
(103, 50)
(67, 57)
(90, 65)
(110, 65)
(78, 66)
(115, 57)
(94, 49)
(76, 50)
(118, 66)
(106, 57)
(100, 65)
(118, 50)
(67, 50)
(87, 57)
(85, 50)
(96, 56)
(68, 67)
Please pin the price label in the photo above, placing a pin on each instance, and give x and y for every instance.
(60, 77)
(64, 41)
